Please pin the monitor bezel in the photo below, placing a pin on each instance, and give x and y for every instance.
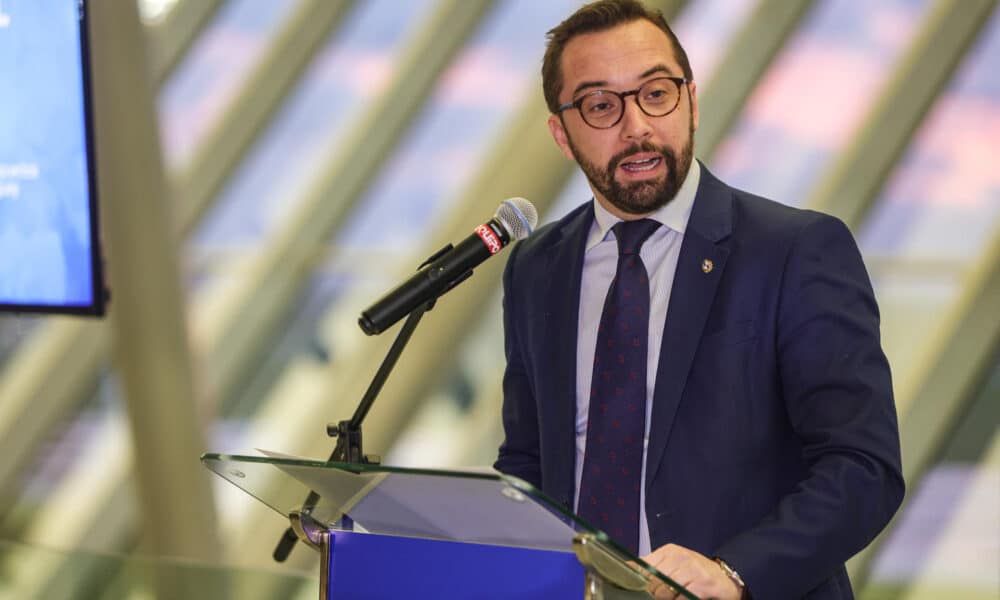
(98, 290)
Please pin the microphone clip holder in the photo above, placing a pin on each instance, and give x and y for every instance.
(348, 449)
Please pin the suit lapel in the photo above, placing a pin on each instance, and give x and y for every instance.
(700, 267)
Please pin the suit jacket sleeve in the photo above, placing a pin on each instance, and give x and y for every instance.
(837, 391)
(520, 452)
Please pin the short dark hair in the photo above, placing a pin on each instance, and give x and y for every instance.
(592, 18)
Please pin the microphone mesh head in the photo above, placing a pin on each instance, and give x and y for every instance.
(518, 216)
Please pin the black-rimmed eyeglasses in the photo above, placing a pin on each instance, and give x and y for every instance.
(602, 109)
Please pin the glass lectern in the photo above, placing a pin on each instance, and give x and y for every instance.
(386, 532)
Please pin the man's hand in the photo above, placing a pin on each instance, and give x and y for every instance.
(699, 574)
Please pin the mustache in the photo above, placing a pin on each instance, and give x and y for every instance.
(615, 160)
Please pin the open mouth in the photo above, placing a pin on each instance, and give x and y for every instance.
(639, 166)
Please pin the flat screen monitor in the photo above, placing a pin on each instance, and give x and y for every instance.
(49, 245)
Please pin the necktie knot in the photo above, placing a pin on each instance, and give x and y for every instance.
(632, 234)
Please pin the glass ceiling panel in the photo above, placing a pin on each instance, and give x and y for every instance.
(349, 72)
(73, 449)
(946, 542)
(213, 71)
(815, 96)
(705, 27)
(941, 208)
(485, 85)
(943, 202)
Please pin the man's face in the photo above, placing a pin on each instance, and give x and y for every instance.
(637, 166)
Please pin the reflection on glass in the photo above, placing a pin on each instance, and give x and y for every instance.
(815, 95)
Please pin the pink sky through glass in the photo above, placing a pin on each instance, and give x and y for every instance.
(815, 96)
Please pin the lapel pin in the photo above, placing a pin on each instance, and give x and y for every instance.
(707, 266)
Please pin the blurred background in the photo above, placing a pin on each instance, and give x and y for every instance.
(270, 167)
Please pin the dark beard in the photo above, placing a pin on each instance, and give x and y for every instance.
(641, 197)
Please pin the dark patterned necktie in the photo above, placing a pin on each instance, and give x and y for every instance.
(612, 464)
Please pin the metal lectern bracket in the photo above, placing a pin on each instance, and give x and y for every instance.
(603, 566)
(315, 535)
(308, 529)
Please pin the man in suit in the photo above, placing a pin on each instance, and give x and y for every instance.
(721, 406)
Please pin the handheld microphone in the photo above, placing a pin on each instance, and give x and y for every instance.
(514, 220)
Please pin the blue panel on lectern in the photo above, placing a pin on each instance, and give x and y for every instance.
(376, 567)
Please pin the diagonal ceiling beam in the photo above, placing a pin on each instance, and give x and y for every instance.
(954, 363)
(746, 61)
(851, 186)
(215, 159)
(241, 318)
(169, 40)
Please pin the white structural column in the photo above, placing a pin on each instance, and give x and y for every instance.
(150, 346)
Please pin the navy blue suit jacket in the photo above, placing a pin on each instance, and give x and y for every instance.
(773, 440)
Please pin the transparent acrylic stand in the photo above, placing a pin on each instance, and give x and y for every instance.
(386, 532)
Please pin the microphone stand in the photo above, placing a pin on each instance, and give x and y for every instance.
(348, 432)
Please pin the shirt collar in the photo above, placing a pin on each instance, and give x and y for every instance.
(674, 214)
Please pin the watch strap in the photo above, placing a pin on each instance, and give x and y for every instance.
(733, 575)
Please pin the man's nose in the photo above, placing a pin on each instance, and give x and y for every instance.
(635, 123)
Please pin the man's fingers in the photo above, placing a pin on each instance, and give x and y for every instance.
(661, 590)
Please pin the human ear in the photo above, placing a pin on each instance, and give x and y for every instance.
(558, 131)
(692, 94)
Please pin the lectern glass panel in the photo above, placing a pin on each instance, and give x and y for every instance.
(469, 507)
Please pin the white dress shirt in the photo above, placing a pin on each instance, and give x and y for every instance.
(659, 254)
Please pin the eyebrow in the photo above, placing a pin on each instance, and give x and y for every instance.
(660, 68)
